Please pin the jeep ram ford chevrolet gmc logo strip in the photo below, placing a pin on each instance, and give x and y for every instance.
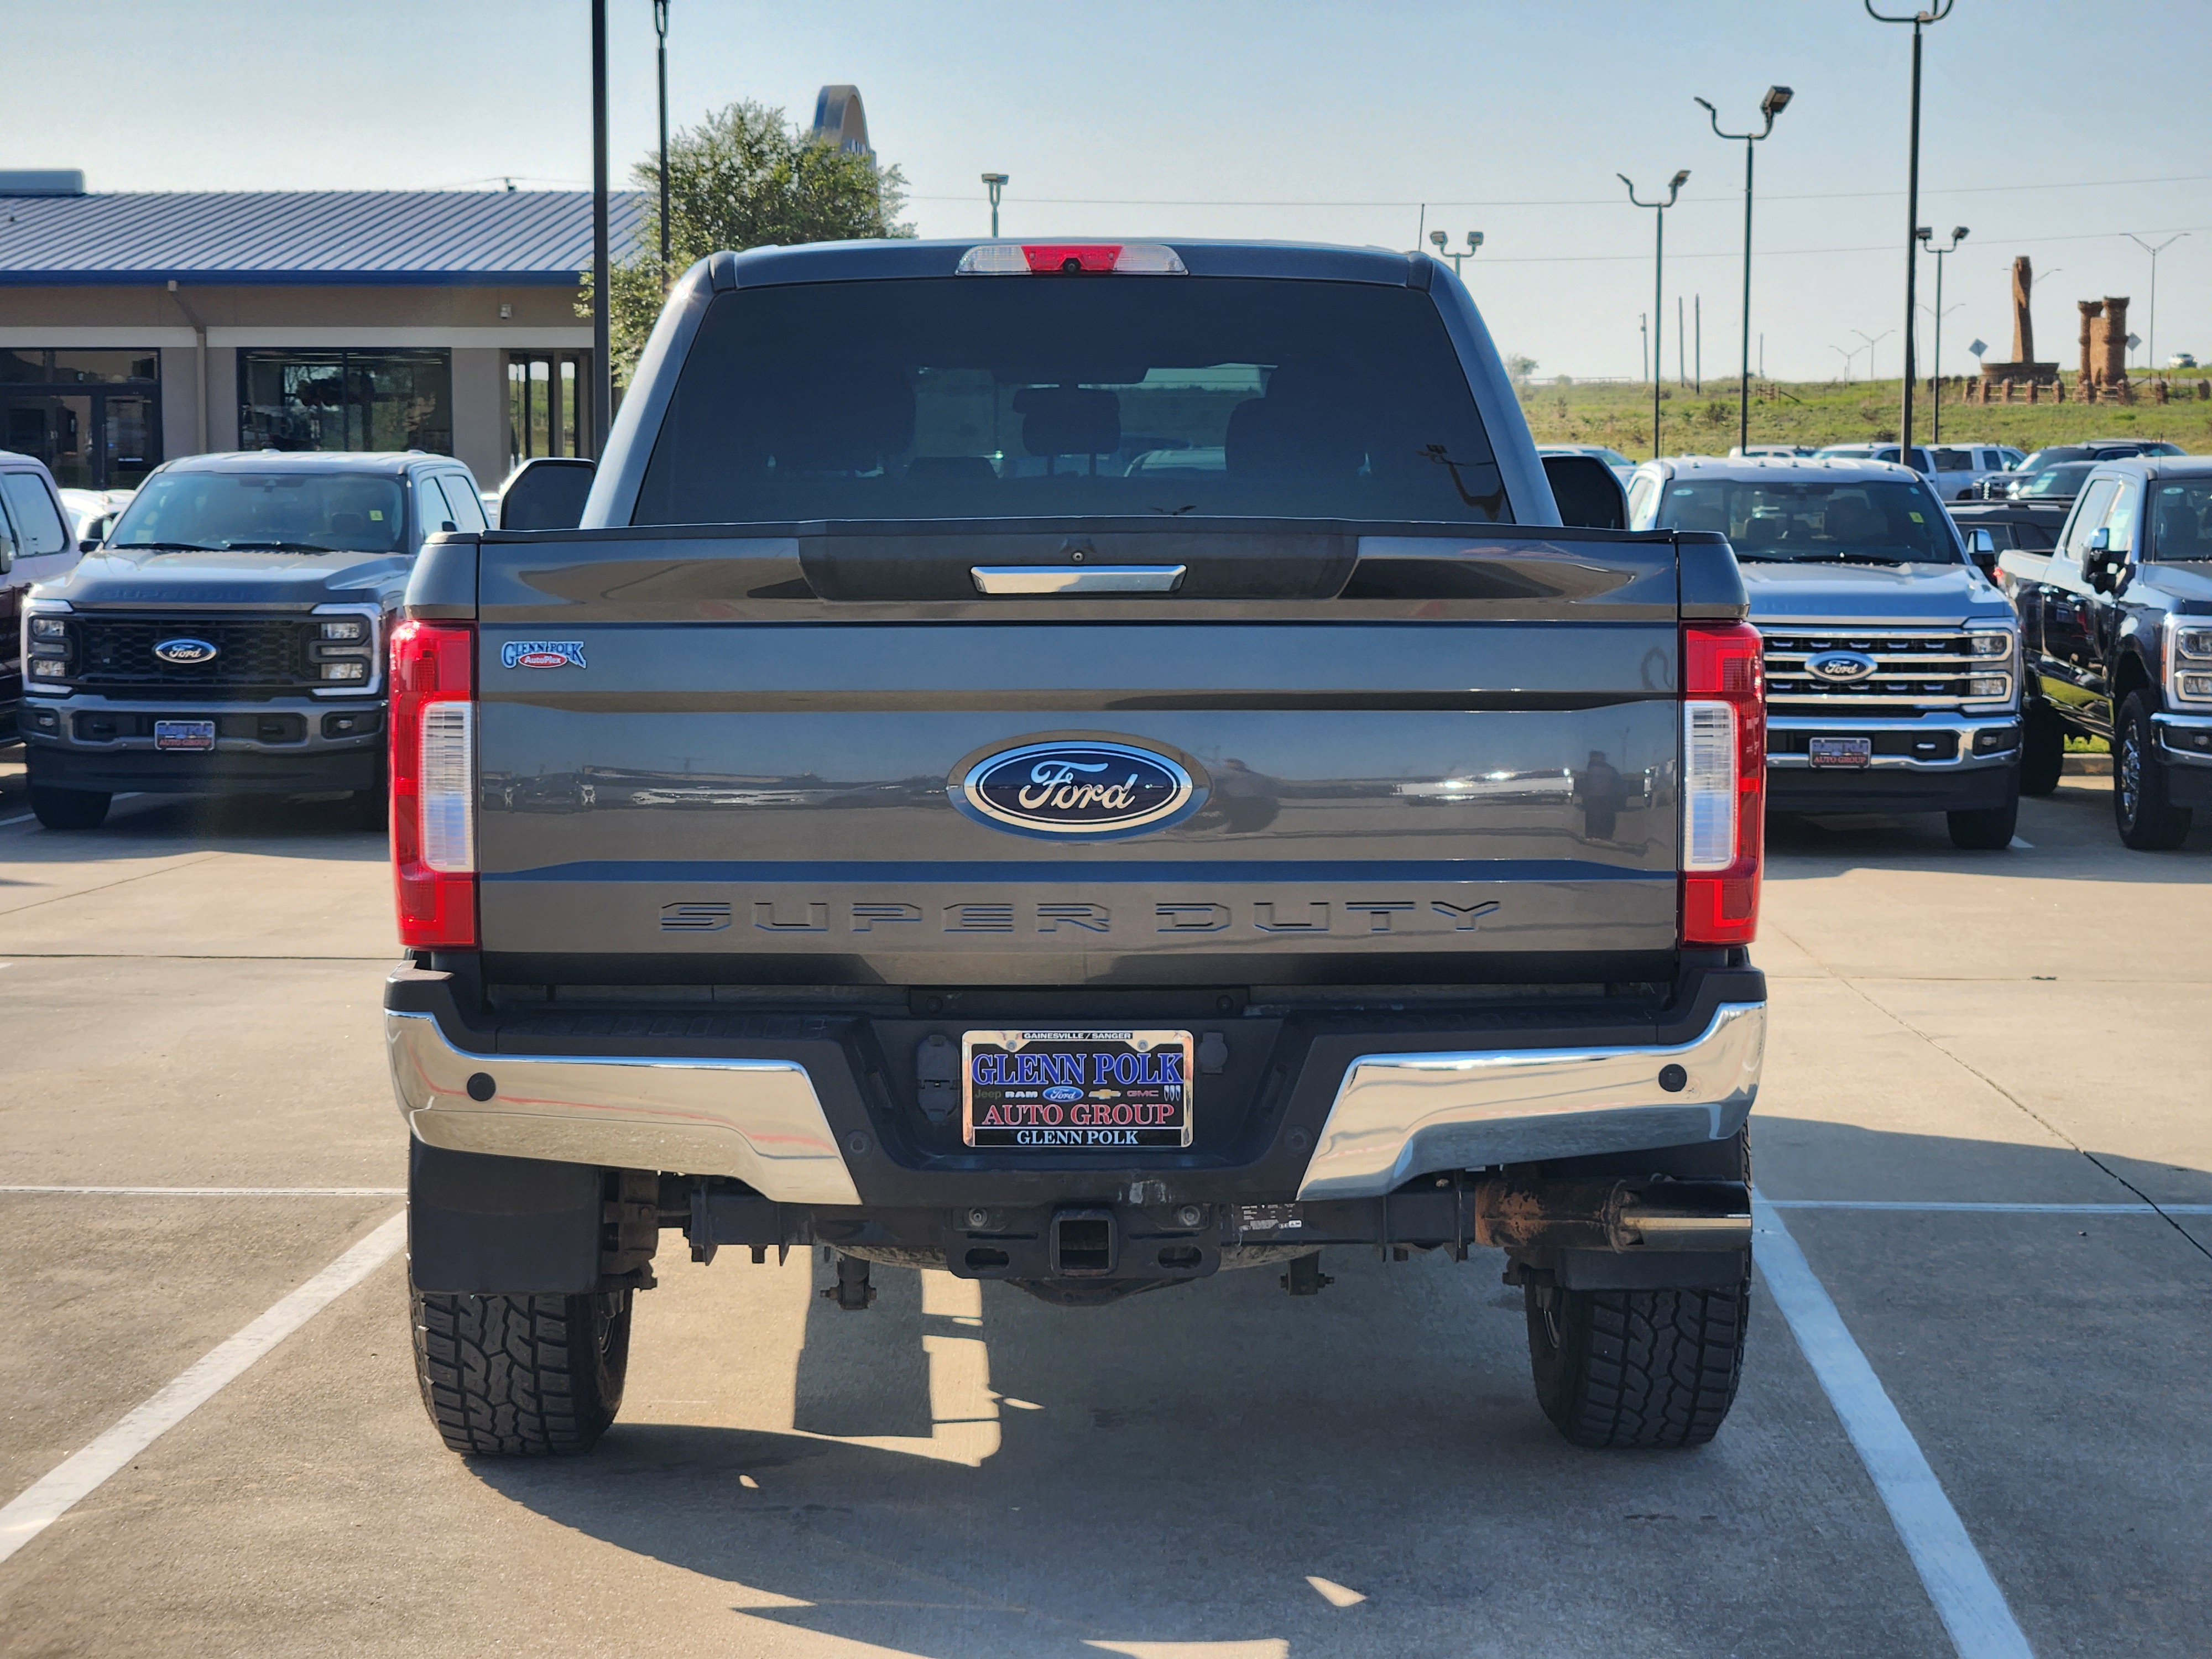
(1077, 789)
(542, 653)
(187, 653)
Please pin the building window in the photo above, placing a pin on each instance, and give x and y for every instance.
(549, 405)
(94, 417)
(346, 400)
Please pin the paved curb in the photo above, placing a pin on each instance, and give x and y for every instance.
(2088, 766)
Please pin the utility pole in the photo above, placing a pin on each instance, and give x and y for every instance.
(1872, 341)
(1936, 12)
(1777, 100)
(1658, 282)
(1697, 334)
(1935, 380)
(2150, 345)
(1642, 345)
(603, 368)
(1681, 344)
(994, 182)
(661, 29)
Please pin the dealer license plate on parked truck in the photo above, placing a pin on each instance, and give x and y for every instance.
(1848, 753)
(184, 734)
(1078, 1090)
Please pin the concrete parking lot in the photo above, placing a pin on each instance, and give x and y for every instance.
(1984, 1124)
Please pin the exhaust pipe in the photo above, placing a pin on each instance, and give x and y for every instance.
(1612, 1215)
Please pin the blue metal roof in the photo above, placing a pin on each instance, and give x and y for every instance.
(337, 236)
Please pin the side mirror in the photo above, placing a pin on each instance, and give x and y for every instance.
(89, 545)
(546, 494)
(7, 555)
(1982, 548)
(1589, 494)
(2101, 540)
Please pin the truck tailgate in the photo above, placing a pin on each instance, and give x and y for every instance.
(1418, 756)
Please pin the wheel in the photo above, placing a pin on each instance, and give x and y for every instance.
(371, 809)
(1987, 828)
(2148, 820)
(2043, 751)
(70, 809)
(522, 1375)
(1650, 1369)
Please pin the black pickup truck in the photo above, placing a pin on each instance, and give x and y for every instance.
(1086, 766)
(2116, 626)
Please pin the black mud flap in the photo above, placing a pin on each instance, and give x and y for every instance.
(481, 1225)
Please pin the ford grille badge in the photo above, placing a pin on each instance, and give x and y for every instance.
(1077, 789)
(1841, 667)
(185, 653)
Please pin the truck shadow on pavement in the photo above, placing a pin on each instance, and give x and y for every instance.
(2069, 834)
(310, 827)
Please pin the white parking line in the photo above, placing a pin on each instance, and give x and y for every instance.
(1967, 1599)
(24, 818)
(219, 1192)
(53, 1496)
(2019, 846)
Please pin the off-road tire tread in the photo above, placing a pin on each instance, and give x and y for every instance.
(518, 1376)
(2043, 751)
(1639, 1369)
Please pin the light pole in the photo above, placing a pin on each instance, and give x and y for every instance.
(661, 29)
(994, 182)
(1872, 341)
(603, 368)
(1847, 356)
(1936, 12)
(1658, 282)
(1474, 247)
(1936, 390)
(1777, 100)
(2151, 346)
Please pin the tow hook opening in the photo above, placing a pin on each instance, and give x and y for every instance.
(1083, 1244)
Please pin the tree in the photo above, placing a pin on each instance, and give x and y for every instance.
(746, 176)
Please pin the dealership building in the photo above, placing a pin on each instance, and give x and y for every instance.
(138, 327)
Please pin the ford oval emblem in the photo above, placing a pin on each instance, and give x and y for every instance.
(1841, 667)
(1078, 788)
(185, 652)
(1060, 1095)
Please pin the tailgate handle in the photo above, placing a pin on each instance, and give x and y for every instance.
(1032, 578)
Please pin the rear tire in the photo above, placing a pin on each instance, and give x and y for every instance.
(2043, 751)
(522, 1375)
(1987, 828)
(70, 809)
(2146, 816)
(1642, 1369)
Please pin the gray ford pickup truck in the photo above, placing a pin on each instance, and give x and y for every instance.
(1089, 766)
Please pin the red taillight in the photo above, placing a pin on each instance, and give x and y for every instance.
(433, 784)
(1723, 781)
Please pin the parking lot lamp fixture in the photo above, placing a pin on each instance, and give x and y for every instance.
(603, 368)
(1936, 373)
(2151, 354)
(1658, 281)
(1872, 341)
(994, 182)
(660, 29)
(1777, 100)
(1935, 13)
(1473, 247)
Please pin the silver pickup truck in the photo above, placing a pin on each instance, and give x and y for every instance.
(1892, 662)
(1086, 766)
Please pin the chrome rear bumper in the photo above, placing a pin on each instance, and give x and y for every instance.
(1399, 1116)
(1395, 1115)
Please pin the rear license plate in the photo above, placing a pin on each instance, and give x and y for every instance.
(184, 734)
(1076, 1090)
(1848, 754)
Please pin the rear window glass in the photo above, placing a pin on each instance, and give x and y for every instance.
(1815, 523)
(1019, 396)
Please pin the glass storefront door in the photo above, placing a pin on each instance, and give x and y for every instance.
(94, 417)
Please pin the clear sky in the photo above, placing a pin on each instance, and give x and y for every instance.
(2050, 129)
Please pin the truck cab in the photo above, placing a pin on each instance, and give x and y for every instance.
(227, 636)
(2116, 628)
(1892, 663)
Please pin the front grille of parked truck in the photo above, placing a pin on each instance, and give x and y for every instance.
(253, 656)
(1915, 670)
